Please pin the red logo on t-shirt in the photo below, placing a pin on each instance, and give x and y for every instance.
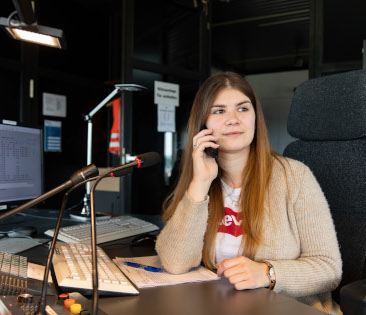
(231, 223)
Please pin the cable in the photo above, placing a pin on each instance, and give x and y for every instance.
(74, 206)
(9, 22)
(9, 19)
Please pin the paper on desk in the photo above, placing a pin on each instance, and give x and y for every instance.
(36, 272)
(144, 279)
(16, 245)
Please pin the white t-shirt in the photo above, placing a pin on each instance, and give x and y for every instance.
(230, 234)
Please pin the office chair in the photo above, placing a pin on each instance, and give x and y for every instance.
(328, 116)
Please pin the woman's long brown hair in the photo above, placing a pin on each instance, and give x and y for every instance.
(255, 176)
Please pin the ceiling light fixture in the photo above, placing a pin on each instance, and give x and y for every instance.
(27, 29)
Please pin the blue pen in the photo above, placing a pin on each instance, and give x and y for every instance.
(140, 266)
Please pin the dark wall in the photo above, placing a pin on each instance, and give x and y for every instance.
(169, 44)
(86, 73)
(79, 73)
(344, 30)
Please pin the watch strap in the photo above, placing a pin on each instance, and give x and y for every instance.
(271, 277)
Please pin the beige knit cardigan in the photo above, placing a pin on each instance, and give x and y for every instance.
(298, 235)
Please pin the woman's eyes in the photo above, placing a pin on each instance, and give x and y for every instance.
(242, 109)
(220, 111)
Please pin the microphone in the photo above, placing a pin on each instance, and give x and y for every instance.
(142, 160)
(79, 176)
(85, 173)
(149, 159)
(88, 171)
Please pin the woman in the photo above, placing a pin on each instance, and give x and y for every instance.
(258, 218)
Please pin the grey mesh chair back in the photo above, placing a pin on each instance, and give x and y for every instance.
(328, 116)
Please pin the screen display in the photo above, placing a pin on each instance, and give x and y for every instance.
(21, 171)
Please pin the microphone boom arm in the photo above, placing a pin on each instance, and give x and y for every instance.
(37, 200)
(42, 302)
(76, 178)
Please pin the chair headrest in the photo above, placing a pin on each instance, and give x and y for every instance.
(330, 108)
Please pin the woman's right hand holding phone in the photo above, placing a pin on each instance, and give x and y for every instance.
(205, 168)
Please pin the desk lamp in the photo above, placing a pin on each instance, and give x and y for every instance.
(85, 212)
(27, 29)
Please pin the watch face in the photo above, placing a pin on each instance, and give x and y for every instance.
(271, 273)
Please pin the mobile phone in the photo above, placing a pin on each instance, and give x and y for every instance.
(211, 152)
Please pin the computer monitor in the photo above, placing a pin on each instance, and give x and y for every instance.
(21, 165)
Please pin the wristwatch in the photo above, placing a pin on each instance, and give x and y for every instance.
(271, 275)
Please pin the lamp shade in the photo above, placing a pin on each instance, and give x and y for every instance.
(37, 34)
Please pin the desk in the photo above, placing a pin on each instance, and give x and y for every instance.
(211, 298)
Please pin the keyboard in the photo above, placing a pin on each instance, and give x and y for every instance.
(107, 230)
(14, 277)
(73, 269)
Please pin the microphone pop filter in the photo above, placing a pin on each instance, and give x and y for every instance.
(149, 159)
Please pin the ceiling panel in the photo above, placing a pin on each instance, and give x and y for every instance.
(256, 36)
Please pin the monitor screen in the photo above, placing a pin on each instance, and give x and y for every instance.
(21, 164)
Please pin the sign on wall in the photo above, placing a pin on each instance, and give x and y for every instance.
(166, 93)
(52, 136)
(166, 96)
(54, 105)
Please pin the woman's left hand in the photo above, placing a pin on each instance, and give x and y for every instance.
(244, 273)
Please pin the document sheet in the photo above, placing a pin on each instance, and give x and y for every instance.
(18, 244)
(144, 279)
(37, 272)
